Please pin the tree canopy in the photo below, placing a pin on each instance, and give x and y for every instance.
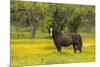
(64, 17)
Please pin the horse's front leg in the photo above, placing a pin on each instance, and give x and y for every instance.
(58, 46)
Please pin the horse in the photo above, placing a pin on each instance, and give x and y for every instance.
(65, 39)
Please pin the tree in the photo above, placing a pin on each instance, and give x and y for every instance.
(60, 17)
(37, 16)
(31, 13)
(74, 24)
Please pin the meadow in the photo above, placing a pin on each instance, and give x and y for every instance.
(43, 51)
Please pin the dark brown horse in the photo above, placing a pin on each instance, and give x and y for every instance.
(65, 40)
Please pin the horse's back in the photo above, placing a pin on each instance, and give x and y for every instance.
(65, 39)
(75, 36)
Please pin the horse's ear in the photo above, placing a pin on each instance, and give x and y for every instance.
(50, 26)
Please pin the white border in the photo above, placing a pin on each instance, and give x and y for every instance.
(85, 2)
(5, 32)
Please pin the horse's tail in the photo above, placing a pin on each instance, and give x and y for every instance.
(80, 40)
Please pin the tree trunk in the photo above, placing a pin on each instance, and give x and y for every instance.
(32, 24)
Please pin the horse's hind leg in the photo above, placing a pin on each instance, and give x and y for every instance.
(80, 44)
(79, 48)
(74, 46)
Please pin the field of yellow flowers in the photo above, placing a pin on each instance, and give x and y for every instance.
(43, 51)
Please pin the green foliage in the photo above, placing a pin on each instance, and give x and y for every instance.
(27, 5)
(38, 16)
(74, 24)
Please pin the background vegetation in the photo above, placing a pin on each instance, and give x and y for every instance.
(30, 41)
(36, 17)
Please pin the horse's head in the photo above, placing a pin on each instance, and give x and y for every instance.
(51, 30)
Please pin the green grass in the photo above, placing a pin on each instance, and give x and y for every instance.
(27, 35)
(87, 35)
(43, 51)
